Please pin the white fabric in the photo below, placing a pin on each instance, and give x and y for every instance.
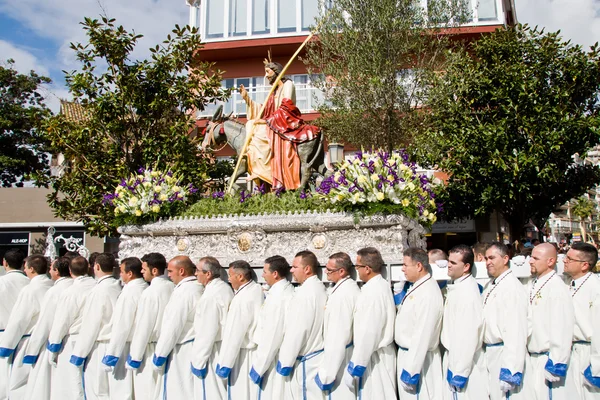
(175, 342)
(337, 328)
(120, 381)
(66, 380)
(148, 320)
(239, 342)
(418, 326)
(550, 323)
(374, 348)
(269, 333)
(586, 304)
(209, 324)
(94, 335)
(38, 382)
(505, 321)
(23, 318)
(462, 335)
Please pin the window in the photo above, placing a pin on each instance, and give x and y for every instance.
(237, 17)
(260, 17)
(215, 12)
(310, 11)
(286, 15)
(486, 11)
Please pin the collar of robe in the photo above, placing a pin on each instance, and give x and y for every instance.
(337, 285)
(496, 283)
(185, 280)
(242, 287)
(16, 270)
(532, 295)
(416, 286)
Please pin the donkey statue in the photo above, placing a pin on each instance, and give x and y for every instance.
(222, 129)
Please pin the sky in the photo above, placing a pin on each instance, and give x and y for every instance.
(37, 34)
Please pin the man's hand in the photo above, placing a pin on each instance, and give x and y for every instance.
(408, 387)
(506, 387)
(243, 93)
(453, 388)
(550, 377)
(52, 358)
(349, 380)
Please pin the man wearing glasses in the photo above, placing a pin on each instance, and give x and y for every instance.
(372, 368)
(583, 375)
(339, 314)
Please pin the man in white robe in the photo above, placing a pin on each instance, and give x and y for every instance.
(10, 285)
(38, 382)
(551, 319)
(583, 374)
(209, 325)
(239, 342)
(338, 324)
(462, 331)
(66, 383)
(174, 349)
(270, 329)
(92, 341)
(417, 333)
(120, 380)
(301, 351)
(147, 382)
(504, 327)
(22, 320)
(372, 368)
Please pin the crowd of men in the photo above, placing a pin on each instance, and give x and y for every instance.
(195, 332)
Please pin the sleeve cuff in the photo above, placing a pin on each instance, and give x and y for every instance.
(594, 380)
(30, 359)
(110, 361)
(200, 373)
(456, 380)
(4, 352)
(54, 347)
(255, 377)
(408, 378)
(283, 371)
(507, 376)
(133, 363)
(322, 386)
(222, 372)
(356, 370)
(556, 369)
(159, 361)
(77, 361)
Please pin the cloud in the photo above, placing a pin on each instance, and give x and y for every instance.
(24, 60)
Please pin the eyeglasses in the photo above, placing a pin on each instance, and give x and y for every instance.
(569, 259)
(331, 271)
(358, 266)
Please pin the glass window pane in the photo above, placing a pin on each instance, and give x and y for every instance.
(487, 10)
(215, 12)
(260, 17)
(286, 15)
(310, 11)
(237, 18)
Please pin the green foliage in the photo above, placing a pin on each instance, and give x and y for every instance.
(21, 111)
(375, 60)
(583, 208)
(135, 113)
(507, 117)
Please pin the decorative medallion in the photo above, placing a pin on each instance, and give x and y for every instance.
(319, 241)
(183, 244)
(244, 241)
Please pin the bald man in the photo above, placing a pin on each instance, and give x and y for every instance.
(550, 319)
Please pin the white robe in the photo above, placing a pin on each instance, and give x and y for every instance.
(505, 334)
(301, 351)
(239, 342)
(209, 324)
(148, 320)
(269, 334)
(23, 318)
(120, 381)
(418, 326)
(38, 383)
(93, 337)
(585, 355)
(175, 344)
(66, 380)
(373, 359)
(10, 285)
(338, 325)
(462, 336)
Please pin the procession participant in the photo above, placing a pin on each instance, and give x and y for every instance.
(173, 353)
(301, 350)
(372, 368)
(239, 334)
(270, 329)
(504, 327)
(338, 325)
(418, 326)
(22, 320)
(550, 319)
(583, 375)
(66, 381)
(462, 330)
(120, 381)
(10, 285)
(146, 330)
(38, 382)
(209, 324)
(92, 341)
(479, 269)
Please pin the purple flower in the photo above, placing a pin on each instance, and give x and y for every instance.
(303, 195)
(141, 170)
(261, 189)
(245, 196)
(218, 195)
(279, 191)
(108, 199)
